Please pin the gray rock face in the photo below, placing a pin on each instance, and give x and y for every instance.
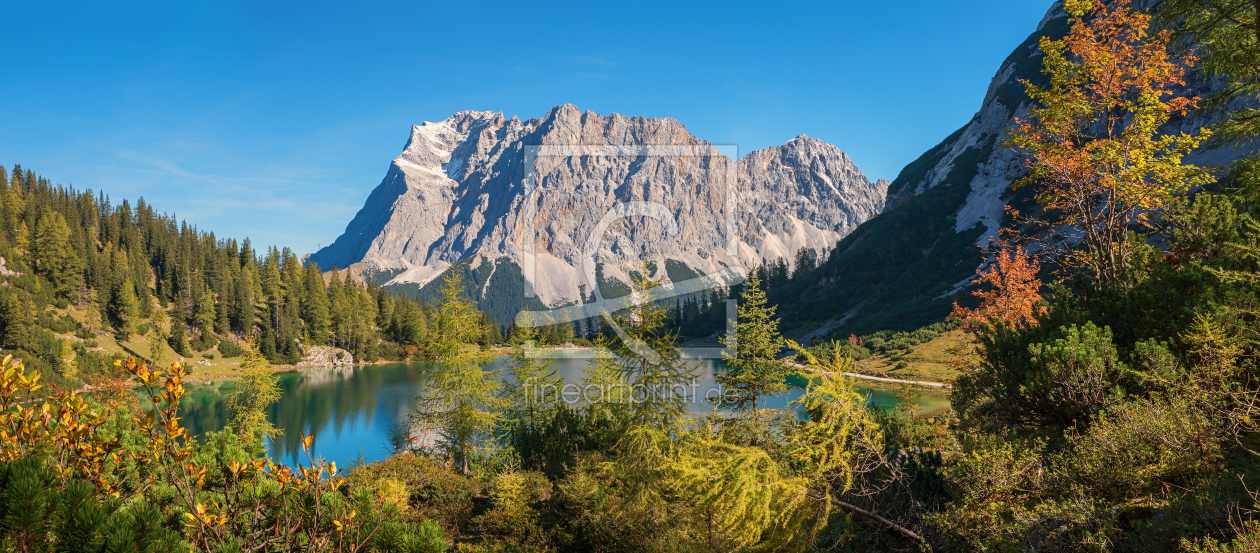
(459, 190)
(1005, 102)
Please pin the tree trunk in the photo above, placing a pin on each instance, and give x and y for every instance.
(860, 511)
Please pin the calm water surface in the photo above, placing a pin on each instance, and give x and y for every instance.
(351, 410)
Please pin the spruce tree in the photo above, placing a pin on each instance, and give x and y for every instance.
(755, 372)
(125, 311)
(243, 306)
(55, 258)
(179, 334)
(315, 306)
(659, 379)
(124, 306)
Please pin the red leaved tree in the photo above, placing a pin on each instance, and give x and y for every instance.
(1015, 298)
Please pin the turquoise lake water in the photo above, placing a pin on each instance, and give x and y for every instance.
(352, 410)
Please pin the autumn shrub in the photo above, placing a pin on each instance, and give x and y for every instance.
(433, 491)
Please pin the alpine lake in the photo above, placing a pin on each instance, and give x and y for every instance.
(352, 410)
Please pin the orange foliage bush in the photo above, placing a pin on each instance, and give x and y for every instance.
(1015, 298)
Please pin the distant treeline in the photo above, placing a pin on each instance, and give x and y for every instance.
(126, 264)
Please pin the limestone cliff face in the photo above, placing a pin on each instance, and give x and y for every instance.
(905, 268)
(1004, 102)
(458, 192)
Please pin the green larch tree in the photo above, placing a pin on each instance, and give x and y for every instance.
(256, 390)
(534, 384)
(460, 407)
(659, 379)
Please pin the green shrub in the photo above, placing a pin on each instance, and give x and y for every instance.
(142, 329)
(1246, 541)
(900, 365)
(425, 537)
(1058, 381)
(60, 325)
(206, 340)
(37, 514)
(823, 348)
(1001, 504)
(228, 349)
(1133, 448)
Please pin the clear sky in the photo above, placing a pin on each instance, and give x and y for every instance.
(274, 120)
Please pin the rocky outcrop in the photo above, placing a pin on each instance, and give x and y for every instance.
(459, 192)
(324, 356)
(5, 271)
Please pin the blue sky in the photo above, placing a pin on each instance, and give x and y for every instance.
(274, 120)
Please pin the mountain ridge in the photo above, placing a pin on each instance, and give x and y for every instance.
(456, 193)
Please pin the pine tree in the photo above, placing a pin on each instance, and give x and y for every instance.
(315, 306)
(17, 318)
(179, 334)
(124, 306)
(755, 372)
(125, 311)
(243, 319)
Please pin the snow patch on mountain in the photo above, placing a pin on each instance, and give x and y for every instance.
(457, 191)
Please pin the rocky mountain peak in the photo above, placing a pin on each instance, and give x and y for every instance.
(456, 193)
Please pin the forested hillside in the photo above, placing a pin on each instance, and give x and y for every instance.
(127, 270)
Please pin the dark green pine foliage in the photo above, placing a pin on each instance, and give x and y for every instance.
(37, 514)
(120, 261)
(179, 335)
(55, 256)
(754, 373)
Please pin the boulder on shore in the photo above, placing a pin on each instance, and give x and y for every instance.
(325, 356)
